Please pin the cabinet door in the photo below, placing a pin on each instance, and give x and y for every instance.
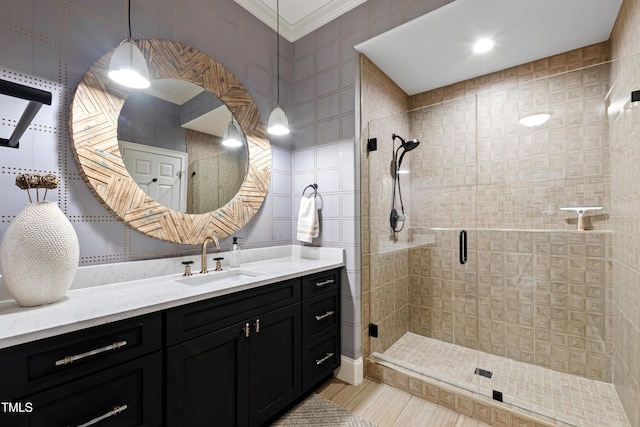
(274, 363)
(319, 360)
(206, 380)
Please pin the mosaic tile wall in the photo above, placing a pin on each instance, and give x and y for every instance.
(625, 215)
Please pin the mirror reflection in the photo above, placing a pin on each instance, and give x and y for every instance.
(172, 140)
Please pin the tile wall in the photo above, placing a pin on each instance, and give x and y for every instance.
(622, 338)
(625, 216)
(385, 269)
(533, 296)
(534, 289)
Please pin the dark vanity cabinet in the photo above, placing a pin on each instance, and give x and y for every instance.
(242, 359)
(320, 327)
(109, 375)
(244, 367)
(235, 360)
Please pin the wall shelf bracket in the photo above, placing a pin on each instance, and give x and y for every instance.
(36, 97)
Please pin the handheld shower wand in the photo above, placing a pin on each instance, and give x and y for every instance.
(397, 220)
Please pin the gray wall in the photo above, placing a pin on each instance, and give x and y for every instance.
(50, 44)
(147, 120)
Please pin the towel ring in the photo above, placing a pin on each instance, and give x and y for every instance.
(315, 189)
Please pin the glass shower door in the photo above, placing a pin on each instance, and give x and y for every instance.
(420, 283)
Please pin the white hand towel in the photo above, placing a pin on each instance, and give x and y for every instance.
(308, 224)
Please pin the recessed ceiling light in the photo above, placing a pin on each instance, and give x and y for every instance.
(483, 45)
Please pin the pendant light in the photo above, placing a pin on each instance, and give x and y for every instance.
(232, 135)
(128, 66)
(278, 123)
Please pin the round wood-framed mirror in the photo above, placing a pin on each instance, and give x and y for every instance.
(95, 110)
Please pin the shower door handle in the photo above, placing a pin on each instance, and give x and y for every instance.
(463, 247)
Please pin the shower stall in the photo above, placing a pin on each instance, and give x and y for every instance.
(489, 291)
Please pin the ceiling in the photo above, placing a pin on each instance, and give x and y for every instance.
(180, 91)
(437, 47)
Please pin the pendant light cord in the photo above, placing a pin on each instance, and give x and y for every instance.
(278, 49)
(129, 17)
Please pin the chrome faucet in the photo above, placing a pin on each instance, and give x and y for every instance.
(214, 239)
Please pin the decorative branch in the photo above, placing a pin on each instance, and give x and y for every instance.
(37, 181)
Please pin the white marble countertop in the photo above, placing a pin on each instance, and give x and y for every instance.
(98, 303)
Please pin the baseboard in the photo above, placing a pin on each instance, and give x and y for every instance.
(350, 370)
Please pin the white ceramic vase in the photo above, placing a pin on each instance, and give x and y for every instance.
(39, 255)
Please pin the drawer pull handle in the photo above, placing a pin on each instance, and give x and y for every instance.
(326, 282)
(116, 410)
(257, 325)
(324, 359)
(324, 316)
(70, 359)
(247, 329)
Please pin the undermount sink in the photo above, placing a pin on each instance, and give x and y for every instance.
(226, 276)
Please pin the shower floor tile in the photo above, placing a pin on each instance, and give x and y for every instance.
(567, 398)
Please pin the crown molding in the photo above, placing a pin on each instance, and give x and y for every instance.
(294, 31)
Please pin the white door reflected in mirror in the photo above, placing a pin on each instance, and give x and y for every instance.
(158, 172)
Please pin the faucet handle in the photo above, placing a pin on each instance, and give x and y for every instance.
(218, 261)
(187, 268)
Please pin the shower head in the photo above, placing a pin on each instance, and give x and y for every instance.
(407, 146)
(410, 145)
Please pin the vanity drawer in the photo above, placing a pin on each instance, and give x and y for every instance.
(196, 319)
(319, 360)
(128, 395)
(49, 362)
(320, 315)
(320, 283)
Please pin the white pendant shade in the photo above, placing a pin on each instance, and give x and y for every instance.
(232, 136)
(128, 66)
(278, 124)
